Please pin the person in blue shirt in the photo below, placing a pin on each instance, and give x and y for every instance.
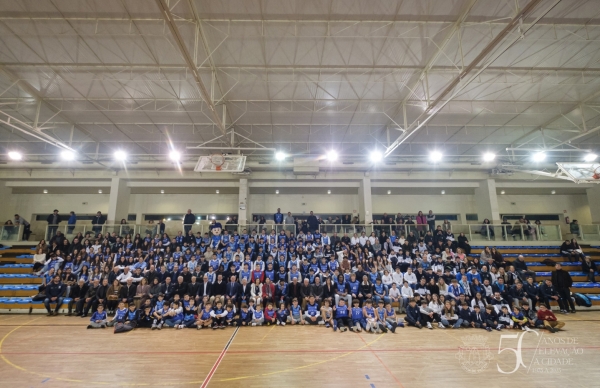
(258, 317)
(341, 315)
(98, 319)
(230, 317)
(283, 315)
(204, 316)
(119, 315)
(296, 313)
(245, 318)
(71, 222)
(358, 319)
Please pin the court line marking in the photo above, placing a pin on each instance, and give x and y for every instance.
(304, 366)
(382, 364)
(218, 362)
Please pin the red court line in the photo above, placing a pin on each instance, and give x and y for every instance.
(403, 350)
(218, 362)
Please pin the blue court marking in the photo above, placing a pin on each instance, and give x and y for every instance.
(367, 377)
(372, 385)
(43, 381)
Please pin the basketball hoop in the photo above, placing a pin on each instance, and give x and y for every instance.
(217, 160)
(596, 174)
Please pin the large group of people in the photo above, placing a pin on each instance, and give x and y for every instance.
(261, 277)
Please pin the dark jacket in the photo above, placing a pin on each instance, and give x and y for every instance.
(520, 265)
(189, 219)
(561, 279)
(305, 291)
(101, 292)
(294, 291)
(55, 290)
(531, 290)
(98, 220)
(169, 290)
(548, 291)
(585, 267)
(413, 313)
(233, 289)
(317, 291)
(465, 315)
(180, 289)
(329, 292)
(128, 292)
(208, 289)
(482, 317)
(193, 288)
(50, 219)
(79, 292)
(219, 288)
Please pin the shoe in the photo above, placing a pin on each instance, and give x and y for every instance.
(153, 327)
(488, 328)
(222, 327)
(199, 327)
(278, 323)
(253, 323)
(335, 328)
(268, 323)
(441, 325)
(419, 325)
(378, 331)
(499, 328)
(55, 313)
(68, 314)
(573, 311)
(282, 323)
(359, 329)
(401, 324)
(89, 326)
(103, 326)
(523, 328)
(215, 327)
(384, 329)
(83, 315)
(550, 329)
(159, 327)
(429, 326)
(327, 325)
(527, 328)
(393, 329)
(49, 314)
(321, 323)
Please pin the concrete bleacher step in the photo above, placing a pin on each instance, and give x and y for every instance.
(19, 279)
(15, 268)
(16, 304)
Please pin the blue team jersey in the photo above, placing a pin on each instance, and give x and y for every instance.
(121, 314)
(312, 309)
(370, 312)
(341, 311)
(357, 313)
(258, 314)
(205, 315)
(296, 310)
(282, 313)
(381, 313)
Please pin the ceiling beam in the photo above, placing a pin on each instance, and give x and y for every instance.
(170, 21)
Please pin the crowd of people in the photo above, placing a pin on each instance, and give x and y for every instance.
(260, 277)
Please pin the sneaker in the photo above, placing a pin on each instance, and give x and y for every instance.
(278, 323)
(159, 327)
(103, 326)
(199, 327)
(523, 328)
(327, 325)
(573, 311)
(215, 327)
(378, 331)
(488, 328)
(419, 325)
(253, 323)
(441, 325)
(55, 313)
(269, 323)
(401, 324)
(178, 327)
(154, 326)
(527, 328)
(429, 326)
(359, 329)
(384, 329)
(89, 326)
(222, 327)
(282, 323)
(49, 314)
(499, 328)
(321, 323)
(68, 314)
(550, 329)
(393, 329)
(335, 328)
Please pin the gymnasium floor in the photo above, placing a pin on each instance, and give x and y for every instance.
(40, 351)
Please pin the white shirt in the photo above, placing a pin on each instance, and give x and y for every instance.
(354, 241)
(394, 293)
(363, 240)
(122, 278)
(411, 278)
(387, 280)
(398, 278)
(407, 292)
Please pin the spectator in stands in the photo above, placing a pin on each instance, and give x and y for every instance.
(574, 228)
(97, 222)
(53, 220)
(576, 249)
(313, 222)
(487, 230)
(278, 217)
(549, 294)
(431, 220)
(18, 221)
(446, 225)
(566, 250)
(588, 267)
(563, 282)
(71, 222)
(54, 294)
(521, 268)
(506, 228)
(39, 260)
(188, 220)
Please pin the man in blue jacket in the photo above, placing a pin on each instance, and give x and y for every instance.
(71, 222)
(278, 217)
(413, 314)
(54, 294)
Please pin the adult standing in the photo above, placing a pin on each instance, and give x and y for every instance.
(562, 281)
(313, 222)
(71, 222)
(188, 220)
(431, 221)
(289, 222)
(26, 226)
(53, 220)
(278, 217)
(97, 222)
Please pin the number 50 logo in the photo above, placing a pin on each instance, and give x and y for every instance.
(516, 351)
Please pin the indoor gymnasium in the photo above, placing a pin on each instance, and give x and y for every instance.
(294, 193)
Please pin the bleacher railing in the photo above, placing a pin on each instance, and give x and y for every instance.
(11, 232)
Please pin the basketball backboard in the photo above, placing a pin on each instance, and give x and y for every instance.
(580, 172)
(221, 163)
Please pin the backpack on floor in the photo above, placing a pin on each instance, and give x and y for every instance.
(582, 300)
(122, 328)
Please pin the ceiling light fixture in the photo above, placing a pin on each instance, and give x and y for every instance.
(14, 155)
(590, 157)
(389, 192)
(217, 191)
(553, 192)
(443, 192)
(99, 191)
(276, 191)
(435, 156)
(328, 191)
(67, 155)
(120, 155)
(162, 191)
(175, 155)
(45, 191)
(539, 156)
(503, 192)
(280, 156)
(376, 156)
(332, 155)
(489, 156)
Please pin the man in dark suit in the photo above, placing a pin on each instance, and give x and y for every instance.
(127, 292)
(245, 293)
(232, 291)
(180, 287)
(205, 289)
(294, 291)
(168, 289)
(219, 289)
(193, 288)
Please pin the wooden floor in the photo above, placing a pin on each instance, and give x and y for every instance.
(40, 351)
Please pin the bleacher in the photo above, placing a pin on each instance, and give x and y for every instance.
(17, 285)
